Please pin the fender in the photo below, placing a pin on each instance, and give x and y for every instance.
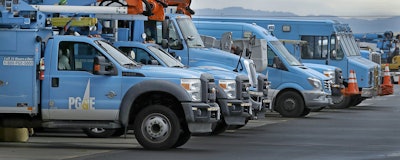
(290, 85)
(149, 86)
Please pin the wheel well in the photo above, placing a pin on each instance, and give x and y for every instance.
(151, 98)
(286, 90)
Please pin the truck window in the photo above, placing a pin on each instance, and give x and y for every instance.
(336, 50)
(173, 37)
(80, 56)
(316, 47)
(270, 55)
(140, 55)
(64, 58)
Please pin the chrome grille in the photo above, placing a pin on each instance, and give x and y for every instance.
(375, 57)
(327, 85)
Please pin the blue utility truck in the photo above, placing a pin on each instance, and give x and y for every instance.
(178, 35)
(67, 81)
(232, 87)
(325, 42)
(294, 87)
(386, 46)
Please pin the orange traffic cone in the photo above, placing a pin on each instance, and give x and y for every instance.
(387, 86)
(352, 87)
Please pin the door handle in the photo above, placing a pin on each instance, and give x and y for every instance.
(55, 81)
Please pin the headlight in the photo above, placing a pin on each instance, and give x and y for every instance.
(229, 87)
(330, 75)
(193, 87)
(316, 83)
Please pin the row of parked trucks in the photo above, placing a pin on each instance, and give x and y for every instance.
(155, 74)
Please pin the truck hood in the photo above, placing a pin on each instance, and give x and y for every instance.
(355, 60)
(223, 59)
(320, 67)
(165, 72)
(218, 73)
(309, 72)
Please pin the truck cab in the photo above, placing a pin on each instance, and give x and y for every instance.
(232, 96)
(280, 64)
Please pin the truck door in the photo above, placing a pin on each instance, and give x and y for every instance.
(76, 93)
(275, 74)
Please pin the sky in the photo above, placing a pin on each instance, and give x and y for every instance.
(342, 8)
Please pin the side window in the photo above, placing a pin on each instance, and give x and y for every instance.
(270, 55)
(128, 51)
(150, 29)
(173, 37)
(138, 54)
(80, 56)
(316, 47)
(143, 57)
(65, 56)
(336, 51)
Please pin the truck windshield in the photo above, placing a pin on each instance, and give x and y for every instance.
(165, 57)
(285, 53)
(348, 44)
(116, 54)
(190, 33)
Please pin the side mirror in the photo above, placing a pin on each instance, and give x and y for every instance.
(179, 58)
(333, 54)
(102, 67)
(277, 63)
(154, 62)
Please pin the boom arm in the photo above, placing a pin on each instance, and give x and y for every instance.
(154, 9)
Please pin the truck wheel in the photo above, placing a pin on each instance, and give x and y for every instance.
(233, 127)
(317, 109)
(219, 127)
(118, 132)
(99, 132)
(340, 102)
(183, 138)
(157, 127)
(306, 111)
(290, 104)
(356, 100)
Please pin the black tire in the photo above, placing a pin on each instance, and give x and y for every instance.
(356, 100)
(99, 132)
(183, 138)
(219, 127)
(233, 127)
(290, 104)
(306, 111)
(340, 102)
(157, 127)
(317, 109)
(119, 132)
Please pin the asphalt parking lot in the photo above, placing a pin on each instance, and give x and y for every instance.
(367, 131)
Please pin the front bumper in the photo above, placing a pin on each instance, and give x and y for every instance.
(259, 104)
(316, 99)
(369, 92)
(200, 116)
(235, 112)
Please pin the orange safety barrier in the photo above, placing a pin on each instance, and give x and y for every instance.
(387, 86)
(352, 87)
